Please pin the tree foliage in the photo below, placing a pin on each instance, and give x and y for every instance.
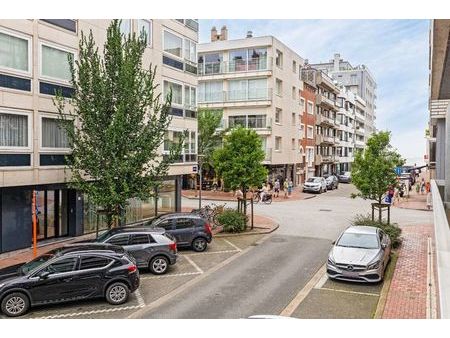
(239, 162)
(373, 170)
(121, 122)
(209, 139)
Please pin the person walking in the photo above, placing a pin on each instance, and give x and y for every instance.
(276, 187)
(422, 186)
(285, 188)
(429, 197)
(290, 186)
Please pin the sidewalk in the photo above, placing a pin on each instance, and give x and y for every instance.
(296, 195)
(415, 201)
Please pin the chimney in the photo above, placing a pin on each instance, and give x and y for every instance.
(214, 35)
(249, 34)
(224, 33)
(337, 58)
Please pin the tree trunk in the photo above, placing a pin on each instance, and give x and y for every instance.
(244, 193)
(379, 210)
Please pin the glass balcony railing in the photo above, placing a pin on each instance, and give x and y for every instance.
(235, 66)
(255, 94)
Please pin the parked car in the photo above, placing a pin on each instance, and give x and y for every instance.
(332, 181)
(361, 253)
(189, 229)
(152, 248)
(72, 272)
(345, 177)
(315, 184)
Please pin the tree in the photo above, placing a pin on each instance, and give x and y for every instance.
(373, 170)
(120, 123)
(239, 162)
(209, 138)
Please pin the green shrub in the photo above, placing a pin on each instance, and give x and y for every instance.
(232, 220)
(392, 230)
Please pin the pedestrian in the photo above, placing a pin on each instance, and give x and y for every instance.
(422, 186)
(285, 188)
(427, 187)
(214, 184)
(264, 192)
(417, 187)
(290, 186)
(429, 200)
(277, 187)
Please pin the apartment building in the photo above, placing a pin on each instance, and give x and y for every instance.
(360, 81)
(308, 126)
(256, 82)
(33, 64)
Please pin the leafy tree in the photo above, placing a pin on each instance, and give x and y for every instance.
(373, 170)
(120, 123)
(209, 138)
(239, 162)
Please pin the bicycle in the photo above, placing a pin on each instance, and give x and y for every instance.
(217, 210)
(257, 197)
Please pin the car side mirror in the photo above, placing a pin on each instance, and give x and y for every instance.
(334, 242)
(44, 275)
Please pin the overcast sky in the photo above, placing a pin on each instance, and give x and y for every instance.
(396, 52)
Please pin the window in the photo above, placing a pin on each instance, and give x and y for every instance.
(183, 223)
(278, 115)
(302, 131)
(210, 63)
(190, 97)
(277, 143)
(302, 104)
(252, 89)
(172, 137)
(293, 119)
(125, 26)
(139, 239)
(235, 121)
(294, 93)
(294, 66)
(165, 224)
(145, 26)
(293, 144)
(256, 121)
(61, 266)
(92, 262)
(190, 50)
(55, 63)
(53, 135)
(279, 58)
(173, 44)
(119, 240)
(177, 92)
(14, 53)
(310, 132)
(210, 91)
(310, 109)
(279, 87)
(13, 130)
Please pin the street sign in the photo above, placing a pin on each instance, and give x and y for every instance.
(194, 168)
(398, 171)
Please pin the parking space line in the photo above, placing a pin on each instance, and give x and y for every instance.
(139, 298)
(172, 275)
(193, 264)
(354, 292)
(210, 253)
(321, 282)
(234, 246)
(75, 314)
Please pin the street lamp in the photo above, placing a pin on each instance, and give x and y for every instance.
(199, 159)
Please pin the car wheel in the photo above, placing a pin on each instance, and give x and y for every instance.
(199, 244)
(159, 265)
(117, 293)
(15, 304)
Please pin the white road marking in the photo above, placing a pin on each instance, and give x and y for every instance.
(210, 253)
(289, 310)
(139, 298)
(321, 282)
(172, 275)
(193, 264)
(234, 246)
(354, 292)
(75, 314)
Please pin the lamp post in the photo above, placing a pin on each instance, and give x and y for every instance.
(199, 157)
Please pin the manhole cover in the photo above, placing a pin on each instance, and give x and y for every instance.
(278, 240)
(325, 210)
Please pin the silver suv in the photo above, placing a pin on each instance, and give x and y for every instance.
(152, 248)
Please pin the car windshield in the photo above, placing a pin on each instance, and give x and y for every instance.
(362, 241)
(104, 236)
(313, 179)
(27, 267)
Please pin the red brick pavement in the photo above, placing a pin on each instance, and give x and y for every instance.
(407, 296)
(296, 195)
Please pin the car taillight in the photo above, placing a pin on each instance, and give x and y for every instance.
(208, 228)
(132, 268)
(173, 246)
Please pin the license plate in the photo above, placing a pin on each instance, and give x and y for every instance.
(349, 274)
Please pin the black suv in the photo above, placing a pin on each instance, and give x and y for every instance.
(72, 272)
(189, 230)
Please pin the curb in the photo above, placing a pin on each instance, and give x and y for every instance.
(384, 292)
(220, 235)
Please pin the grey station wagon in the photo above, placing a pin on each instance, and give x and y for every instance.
(152, 248)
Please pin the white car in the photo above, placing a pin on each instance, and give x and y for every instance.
(315, 184)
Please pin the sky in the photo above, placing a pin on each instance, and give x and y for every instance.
(395, 51)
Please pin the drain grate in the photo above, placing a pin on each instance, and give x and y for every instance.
(325, 210)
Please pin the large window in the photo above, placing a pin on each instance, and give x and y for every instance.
(210, 63)
(53, 135)
(190, 96)
(210, 91)
(14, 53)
(13, 130)
(248, 89)
(235, 121)
(248, 59)
(173, 44)
(177, 92)
(189, 148)
(55, 63)
(145, 26)
(190, 51)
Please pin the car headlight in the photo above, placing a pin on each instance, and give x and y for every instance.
(331, 261)
(374, 266)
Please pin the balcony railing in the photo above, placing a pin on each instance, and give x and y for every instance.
(235, 66)
(251, 123)
(256, 94)
(328, 139)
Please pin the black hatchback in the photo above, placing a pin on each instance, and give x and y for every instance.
(189, 230)
(69, 273)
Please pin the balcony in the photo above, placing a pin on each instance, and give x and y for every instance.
(328, 139)
(359, 144)
(323, 79)
(360, 131)
(318, 139)
(324, 120)
(253, 97)
(318, 160)
(325, 102)
(360, 117)
(328, 158)
(261, 124)
(235, 66)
